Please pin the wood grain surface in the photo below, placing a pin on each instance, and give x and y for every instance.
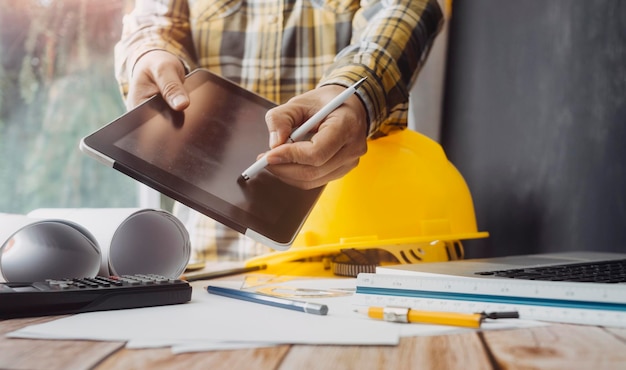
(547, 347)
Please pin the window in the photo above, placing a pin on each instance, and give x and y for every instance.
(56, 86)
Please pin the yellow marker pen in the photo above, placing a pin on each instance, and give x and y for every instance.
(407, 315)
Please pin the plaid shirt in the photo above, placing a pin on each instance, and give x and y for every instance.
(280, 49)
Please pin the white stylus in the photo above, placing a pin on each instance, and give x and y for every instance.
(307, 126)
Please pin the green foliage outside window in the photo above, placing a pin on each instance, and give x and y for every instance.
(56, 86)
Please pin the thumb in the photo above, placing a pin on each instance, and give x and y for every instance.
(280, 122)
(171, 86)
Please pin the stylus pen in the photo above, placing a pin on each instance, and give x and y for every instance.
(301, 131)
(308, 307)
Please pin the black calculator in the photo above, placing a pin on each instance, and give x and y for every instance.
(100, 293)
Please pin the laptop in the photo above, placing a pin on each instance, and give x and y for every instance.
(591, 267)
(578, 280)
(197, 156)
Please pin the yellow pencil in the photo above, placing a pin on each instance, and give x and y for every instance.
(407, 315)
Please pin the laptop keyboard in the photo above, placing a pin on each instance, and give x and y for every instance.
(591, 272)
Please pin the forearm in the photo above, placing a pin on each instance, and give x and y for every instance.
(153, 25)
(390, 42)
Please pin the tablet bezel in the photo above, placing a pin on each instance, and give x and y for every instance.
(288, 216)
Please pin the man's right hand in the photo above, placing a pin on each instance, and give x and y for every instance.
(158, 71)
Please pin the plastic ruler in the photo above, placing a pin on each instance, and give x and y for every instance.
(566, 303)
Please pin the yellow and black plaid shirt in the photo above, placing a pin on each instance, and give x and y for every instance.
(282, 48)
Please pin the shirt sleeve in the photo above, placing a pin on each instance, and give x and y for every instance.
(391, 40)
(153, 25)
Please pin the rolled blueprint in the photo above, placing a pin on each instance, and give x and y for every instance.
(130, 241)
(35, 250)
(150, 241)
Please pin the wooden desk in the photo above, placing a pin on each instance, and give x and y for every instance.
(550, 347)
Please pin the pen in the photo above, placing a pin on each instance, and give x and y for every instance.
(308, 307)
(407, 315)
(221, 273)
(307, 126)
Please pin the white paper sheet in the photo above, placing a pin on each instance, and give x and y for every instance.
(219, 319)
(211, 322)
(195, 346)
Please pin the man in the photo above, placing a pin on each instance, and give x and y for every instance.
(299, 54)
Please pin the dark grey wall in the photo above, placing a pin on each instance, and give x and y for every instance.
(534, 117)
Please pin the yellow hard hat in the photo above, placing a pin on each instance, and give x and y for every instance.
(404, 197)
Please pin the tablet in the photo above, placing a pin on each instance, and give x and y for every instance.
(197, 156)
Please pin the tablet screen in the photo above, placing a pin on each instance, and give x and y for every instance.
(197, 156)
(182, 149)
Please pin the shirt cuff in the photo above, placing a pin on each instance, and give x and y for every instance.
(348, 76)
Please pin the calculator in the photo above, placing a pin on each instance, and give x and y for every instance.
(100, 293)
